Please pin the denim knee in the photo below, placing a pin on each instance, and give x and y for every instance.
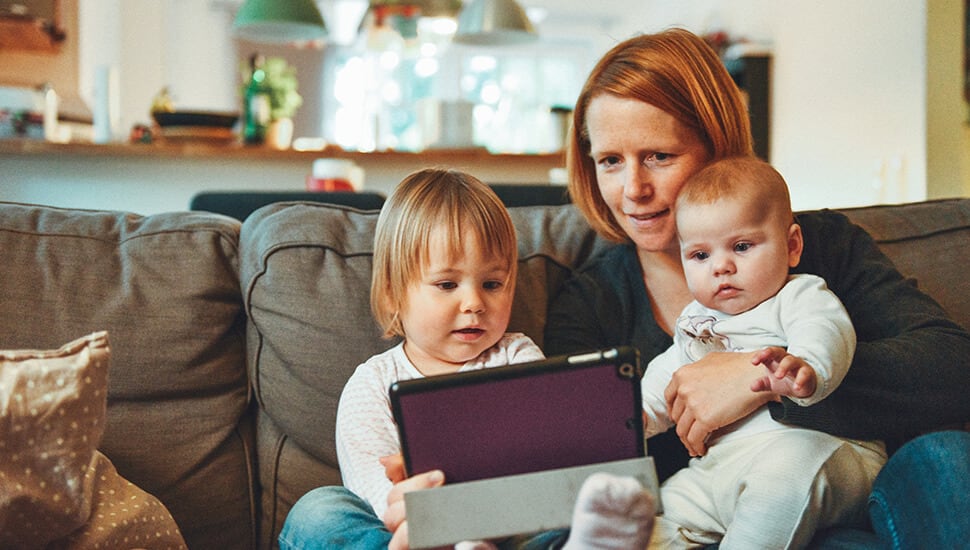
(332, 517)
(919, 498)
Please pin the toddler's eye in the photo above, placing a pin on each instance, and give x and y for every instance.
(492, 285)
(742, 247)
(446, 285)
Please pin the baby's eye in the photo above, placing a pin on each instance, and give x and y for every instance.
(742, 247)
(446, 285)
(699, 256)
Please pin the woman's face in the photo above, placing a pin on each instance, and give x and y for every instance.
(642, 156)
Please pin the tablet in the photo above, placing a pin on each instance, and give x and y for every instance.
(560, 412)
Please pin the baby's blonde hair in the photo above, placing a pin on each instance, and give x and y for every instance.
(744, 177)
(424, 204)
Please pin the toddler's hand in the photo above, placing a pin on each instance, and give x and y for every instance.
(393, 467)
(395, 518)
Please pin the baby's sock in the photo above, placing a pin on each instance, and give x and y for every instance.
(611, 513)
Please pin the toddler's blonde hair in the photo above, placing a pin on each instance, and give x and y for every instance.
(427, 203)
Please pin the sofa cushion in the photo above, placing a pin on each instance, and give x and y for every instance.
(166, 289)
(926, 241)
(55, 488)
(305, 274)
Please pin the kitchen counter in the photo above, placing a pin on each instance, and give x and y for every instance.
(150, 178)
(189, 149)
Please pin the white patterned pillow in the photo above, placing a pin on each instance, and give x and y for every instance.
(54, 484)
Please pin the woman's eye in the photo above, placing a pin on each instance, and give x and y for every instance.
(659, 158)
(608, 161)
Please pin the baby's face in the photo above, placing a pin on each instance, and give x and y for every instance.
(735, 255)
(459, 308)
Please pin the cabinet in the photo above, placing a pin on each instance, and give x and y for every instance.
(751, 71)
(30, 25)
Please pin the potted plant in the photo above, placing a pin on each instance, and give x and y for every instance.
(284, 99)
(276, 79)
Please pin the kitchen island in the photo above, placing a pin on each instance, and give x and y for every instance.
(157, 177)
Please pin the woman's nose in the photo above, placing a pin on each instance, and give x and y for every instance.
(638, 184)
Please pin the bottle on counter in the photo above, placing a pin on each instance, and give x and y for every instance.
(51, 102)
(256, 105)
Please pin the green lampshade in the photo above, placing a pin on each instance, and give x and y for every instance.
(493, 22)
(279, 21)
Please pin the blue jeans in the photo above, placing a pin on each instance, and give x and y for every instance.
(921, 497)
(919, 500)
(334, 517)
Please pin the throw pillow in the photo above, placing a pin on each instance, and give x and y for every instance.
(54, 485)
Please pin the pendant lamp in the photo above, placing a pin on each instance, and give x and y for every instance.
(279, 21)
(493, 22)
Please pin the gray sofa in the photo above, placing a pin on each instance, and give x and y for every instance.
(230, 343)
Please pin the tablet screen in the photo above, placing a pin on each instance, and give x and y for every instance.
(560, 412)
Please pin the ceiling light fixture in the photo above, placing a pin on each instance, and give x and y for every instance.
(279, 21)
(494, 22)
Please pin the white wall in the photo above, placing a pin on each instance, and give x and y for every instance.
(852, 116)
(184, 45)
(849, 86)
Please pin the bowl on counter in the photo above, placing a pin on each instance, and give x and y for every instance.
(211, 119)
(196, 126)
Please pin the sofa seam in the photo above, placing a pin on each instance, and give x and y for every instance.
(223, 235)
(251, 475)
(920, 236)
(277, 459)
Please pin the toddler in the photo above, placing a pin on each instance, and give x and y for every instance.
(445, 258)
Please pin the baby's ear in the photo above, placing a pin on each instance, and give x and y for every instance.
(795, 244)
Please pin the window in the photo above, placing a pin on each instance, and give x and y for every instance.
(387, 92)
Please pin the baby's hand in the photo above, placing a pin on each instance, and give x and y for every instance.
(787, 374)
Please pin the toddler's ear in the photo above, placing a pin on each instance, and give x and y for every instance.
(795, 244)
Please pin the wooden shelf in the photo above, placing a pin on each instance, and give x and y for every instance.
(31, 25)
(216, 152)
(151, 178)
(26, 34)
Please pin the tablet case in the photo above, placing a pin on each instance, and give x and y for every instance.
(512, 505)
(559, 412)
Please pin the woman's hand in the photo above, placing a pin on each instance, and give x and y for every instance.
(394, 517)
(711, 393)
